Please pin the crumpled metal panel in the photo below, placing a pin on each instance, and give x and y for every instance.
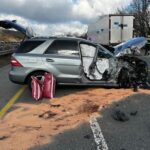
(132, 46)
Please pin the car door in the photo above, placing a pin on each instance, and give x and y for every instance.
(88, 54)
(98, 63)
(62, 58)
(106, 64)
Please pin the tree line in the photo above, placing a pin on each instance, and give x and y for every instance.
(141, 11)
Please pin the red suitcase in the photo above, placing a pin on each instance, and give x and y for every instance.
(36, 88)
(49, 85)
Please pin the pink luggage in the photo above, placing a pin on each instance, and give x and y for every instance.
(49, 85)
(36, 88)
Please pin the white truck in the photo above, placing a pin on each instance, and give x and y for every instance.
(111, 29)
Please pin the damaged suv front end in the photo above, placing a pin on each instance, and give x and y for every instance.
(134, 64)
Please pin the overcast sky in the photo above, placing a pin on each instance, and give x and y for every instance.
(55, 17)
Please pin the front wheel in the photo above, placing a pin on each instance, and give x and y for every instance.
(123, 78)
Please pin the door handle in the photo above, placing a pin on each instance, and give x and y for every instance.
(49, 60)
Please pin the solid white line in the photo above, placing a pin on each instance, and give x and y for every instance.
(98, 136)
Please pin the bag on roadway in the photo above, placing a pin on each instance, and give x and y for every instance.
(36, 88)
(49, 85)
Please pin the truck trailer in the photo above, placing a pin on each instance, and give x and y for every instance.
(111, 29)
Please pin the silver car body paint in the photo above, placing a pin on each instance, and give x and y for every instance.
(65, 69)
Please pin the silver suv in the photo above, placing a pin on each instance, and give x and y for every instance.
(76, 61)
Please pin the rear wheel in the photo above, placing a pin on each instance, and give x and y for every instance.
(39, 75)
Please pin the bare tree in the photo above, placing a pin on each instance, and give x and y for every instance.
(122, 10)
(141, 10)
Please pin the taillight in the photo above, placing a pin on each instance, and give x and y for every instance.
(15, 63)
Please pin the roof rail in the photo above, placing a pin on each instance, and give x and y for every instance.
(44, 37)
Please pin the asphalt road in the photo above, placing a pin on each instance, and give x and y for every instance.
(133, 134)
(80, 138)
(7, 89)
(130, 135)
(4, 60)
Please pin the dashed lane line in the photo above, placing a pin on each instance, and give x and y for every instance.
(98, 136)
(4, 110)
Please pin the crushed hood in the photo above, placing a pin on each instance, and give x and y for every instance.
(7, 24)
(133, 44)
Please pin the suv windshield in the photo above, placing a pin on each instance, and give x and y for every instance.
(28, 46)
(104, 53)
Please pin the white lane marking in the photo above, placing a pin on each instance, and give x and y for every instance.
(98, 136)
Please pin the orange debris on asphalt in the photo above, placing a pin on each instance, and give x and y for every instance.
(29, 125)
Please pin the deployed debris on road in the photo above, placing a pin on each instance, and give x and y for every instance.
(39, 124)
(89, 107)
(120, 116)
(133, 113)
(3, 137)
(87, 136)
(47, 114)
(56, 106)
(30, 128)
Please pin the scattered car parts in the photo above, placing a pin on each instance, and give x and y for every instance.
(120, 116)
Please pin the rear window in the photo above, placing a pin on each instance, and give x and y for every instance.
(28, 46)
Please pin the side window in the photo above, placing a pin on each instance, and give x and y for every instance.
(63, 48)
(28, 46)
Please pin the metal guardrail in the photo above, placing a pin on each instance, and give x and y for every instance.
(8, 47)
(5, 52)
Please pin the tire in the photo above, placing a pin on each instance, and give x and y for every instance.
(39, 75)
(123, 78)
